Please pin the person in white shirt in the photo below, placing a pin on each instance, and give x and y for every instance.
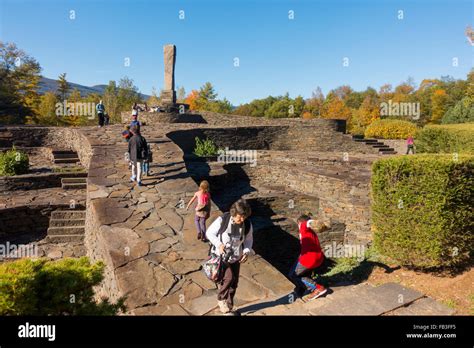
(231, 236)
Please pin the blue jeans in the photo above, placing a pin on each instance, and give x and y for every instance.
(301, 277)
(145, 167)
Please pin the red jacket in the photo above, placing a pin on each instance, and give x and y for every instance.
(311, 255)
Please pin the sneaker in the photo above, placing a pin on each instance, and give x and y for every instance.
(234, 313)
(319, 291)
(199, 236)
(223, 307)
(132, 178)
(139, 183)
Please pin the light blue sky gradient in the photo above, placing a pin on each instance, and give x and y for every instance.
(277, 55)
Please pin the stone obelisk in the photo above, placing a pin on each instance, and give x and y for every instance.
(168, 94)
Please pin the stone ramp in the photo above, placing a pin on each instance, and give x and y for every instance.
(361, 299)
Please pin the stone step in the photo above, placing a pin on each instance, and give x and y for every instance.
(74, 186)
(58, 151)
(68, 214)
(365, 299)
(380, 145)
(66, 230)
(66, 222)
(78, 180)
(65, 155)
(66, 160)
(65, 238)
(383, 149)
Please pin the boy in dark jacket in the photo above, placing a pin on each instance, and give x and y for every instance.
(311, 257)
(138, 150)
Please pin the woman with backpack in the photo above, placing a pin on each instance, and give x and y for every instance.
(231, 237)
(138, 153)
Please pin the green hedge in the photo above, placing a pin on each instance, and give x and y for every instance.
(422, 212)
(391, 129)
(446, 138)
(13, 162)
(43, 287)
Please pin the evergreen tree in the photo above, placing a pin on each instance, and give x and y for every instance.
(63, 87)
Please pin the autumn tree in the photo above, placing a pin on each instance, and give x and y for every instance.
(438, 105)
(334, 108)
(19, 83)
(192, 98)
(313, 106)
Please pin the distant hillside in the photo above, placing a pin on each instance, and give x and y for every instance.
(50, 85)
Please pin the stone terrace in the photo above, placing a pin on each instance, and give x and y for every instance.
(147, 241)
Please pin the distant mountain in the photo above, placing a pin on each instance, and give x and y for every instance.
(50, 85)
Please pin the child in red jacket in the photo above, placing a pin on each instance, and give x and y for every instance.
(311, 257)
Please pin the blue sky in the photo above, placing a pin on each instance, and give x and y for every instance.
(276, 54)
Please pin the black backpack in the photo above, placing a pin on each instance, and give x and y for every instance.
(225, 223)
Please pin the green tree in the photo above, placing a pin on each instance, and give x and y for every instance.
(127, 94)
(462, 112)
(207, 92)
(63, 87)
(111, 102)
(19, 83)
(50, 111)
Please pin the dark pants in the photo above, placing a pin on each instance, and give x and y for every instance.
(301, 277)
(228, 284)
(200, 225)
(101, 118)
(412, 148)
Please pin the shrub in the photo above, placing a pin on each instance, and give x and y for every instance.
(446, 138)
(422, 209)
(13, 162)
(43, 287)
(205, 148)
(391, 129)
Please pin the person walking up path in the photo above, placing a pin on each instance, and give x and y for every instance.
(138, 152)
(203, 209)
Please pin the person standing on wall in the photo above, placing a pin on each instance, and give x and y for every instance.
(231, 236)
(100, 108)
(138, 152)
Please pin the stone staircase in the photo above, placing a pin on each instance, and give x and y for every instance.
(66, 226)
(376, 144)
(65, 157)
